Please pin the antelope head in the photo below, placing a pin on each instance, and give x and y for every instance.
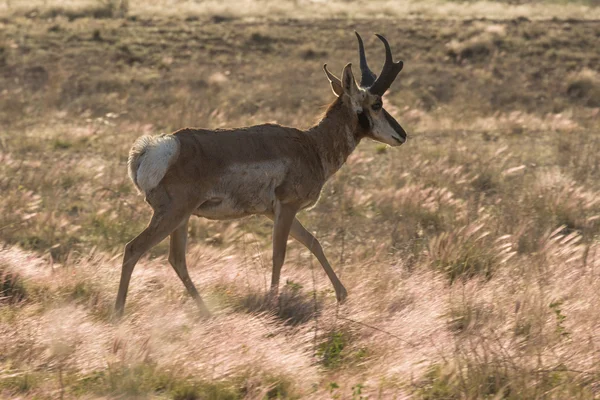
(366, 100)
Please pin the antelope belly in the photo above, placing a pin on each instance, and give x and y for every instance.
(244, 189)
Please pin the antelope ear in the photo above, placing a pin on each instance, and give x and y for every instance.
(348, 82)
(336, 85)
(351, 89)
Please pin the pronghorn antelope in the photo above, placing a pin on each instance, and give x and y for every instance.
(267, 169)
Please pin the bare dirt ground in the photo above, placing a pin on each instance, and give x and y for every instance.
(470, 254)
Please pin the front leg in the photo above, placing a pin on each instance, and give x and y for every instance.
(284, 216)
(300, 233)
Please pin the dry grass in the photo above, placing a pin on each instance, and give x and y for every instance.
(311, 9)
(471, 254)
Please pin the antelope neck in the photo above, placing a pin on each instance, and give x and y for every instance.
(335, 137)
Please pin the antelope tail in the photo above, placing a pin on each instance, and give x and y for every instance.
(149, 159)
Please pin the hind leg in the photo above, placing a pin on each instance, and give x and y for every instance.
(166, 219)
(177, 260)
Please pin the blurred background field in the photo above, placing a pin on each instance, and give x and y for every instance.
(471, 254)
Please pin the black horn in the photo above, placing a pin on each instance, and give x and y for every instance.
(389, 71)
(367, 76)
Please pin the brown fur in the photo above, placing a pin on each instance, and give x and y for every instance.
(308, 158)
(266, 169)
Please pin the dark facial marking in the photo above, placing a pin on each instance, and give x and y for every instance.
(364, 121)
(394, 124)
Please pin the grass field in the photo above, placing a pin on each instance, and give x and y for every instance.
(471, 254)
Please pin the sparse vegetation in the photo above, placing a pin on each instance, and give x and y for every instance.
(330, 351)
(584, 86)
(470, 254)
(12, 289)
(147, 379)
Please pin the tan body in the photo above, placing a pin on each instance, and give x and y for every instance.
(265, 170)
(250, 169)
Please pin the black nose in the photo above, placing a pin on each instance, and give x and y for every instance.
(395, 125)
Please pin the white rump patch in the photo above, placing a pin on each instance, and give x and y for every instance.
(149, 159)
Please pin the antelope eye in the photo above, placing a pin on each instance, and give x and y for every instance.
(376, 106)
